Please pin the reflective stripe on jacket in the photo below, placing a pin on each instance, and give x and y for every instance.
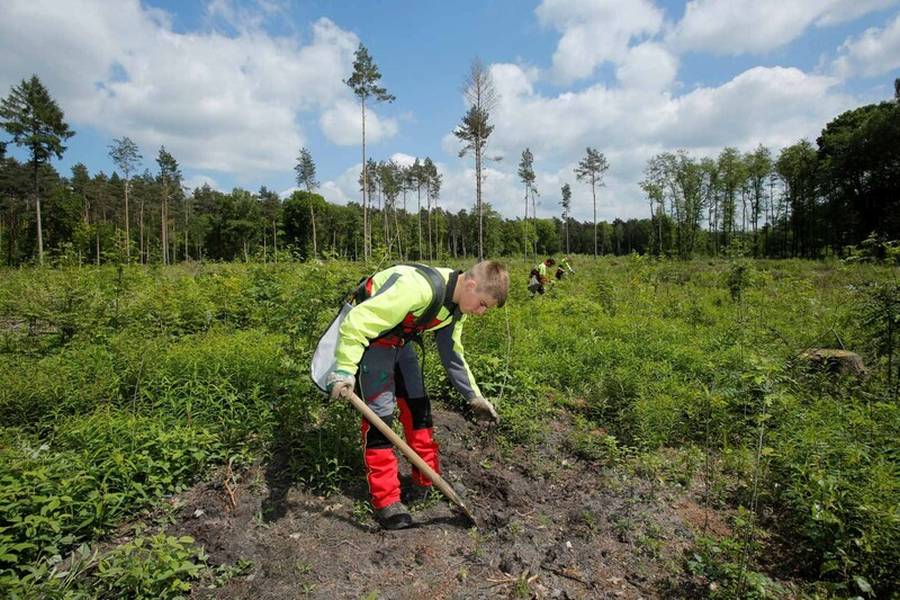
(395, 293)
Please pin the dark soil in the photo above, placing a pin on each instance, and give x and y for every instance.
(549, 526)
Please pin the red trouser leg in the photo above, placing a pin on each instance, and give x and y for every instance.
(381, 467)
(420, 438)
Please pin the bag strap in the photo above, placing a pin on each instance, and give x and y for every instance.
(438, 290)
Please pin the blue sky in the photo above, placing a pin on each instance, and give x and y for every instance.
(234, 88)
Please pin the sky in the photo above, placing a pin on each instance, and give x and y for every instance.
(234, 88)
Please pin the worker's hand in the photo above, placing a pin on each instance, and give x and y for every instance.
(483, 409)
(340, 384)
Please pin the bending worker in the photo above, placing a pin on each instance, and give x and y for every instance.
(538, 277)
(563, 267)
(373, 353)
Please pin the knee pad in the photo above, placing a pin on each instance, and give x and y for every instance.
(420, 409)
(374, 438)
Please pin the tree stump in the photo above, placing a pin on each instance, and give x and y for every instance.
(831, 360)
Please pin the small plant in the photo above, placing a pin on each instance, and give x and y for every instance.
(588, 442)
(225, 573)
(362, 512)
(879, 307)
(739, 278)
(161, 566)
(718, 562)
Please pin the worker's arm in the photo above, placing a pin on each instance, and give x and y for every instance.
(450, 349)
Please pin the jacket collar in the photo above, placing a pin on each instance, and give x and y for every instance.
(451, 306)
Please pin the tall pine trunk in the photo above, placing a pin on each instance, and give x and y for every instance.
(365, 186)
(478, 199)
(312, 216)
(430, 255)
(37, 208)
(594, 194)
(525, 225)
(419, 218)
(127, 229)
(143, 249)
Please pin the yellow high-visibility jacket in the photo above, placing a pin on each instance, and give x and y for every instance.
(399, 294)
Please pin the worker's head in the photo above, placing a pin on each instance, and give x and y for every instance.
(549, 262)
(483, 286)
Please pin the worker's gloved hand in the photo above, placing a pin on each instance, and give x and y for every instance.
(339, 384)
(483, 409)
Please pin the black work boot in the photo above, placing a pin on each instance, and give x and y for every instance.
(394, 516)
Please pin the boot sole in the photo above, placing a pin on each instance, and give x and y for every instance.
(397, 522)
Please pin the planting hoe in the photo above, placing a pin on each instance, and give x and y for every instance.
(409, 453)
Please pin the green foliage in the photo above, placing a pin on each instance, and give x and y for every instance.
(879, 307)
(720, 563)
(34, 392)
(161, 566)
(592, 443)
(118, 387)
(34, 120)
(836, 469)
(93, 471)
(874, 249)
(739, 278)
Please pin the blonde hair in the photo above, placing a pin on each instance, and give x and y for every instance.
(492, 278)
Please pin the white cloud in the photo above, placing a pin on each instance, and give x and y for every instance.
(243, 17)
(773, 106)
(843, 11)
(648, 66)
(345, 188)
(450, 144)
(404, 160)
(220, 103)
(342, 124)
(732, 27)
(198, 181)
(875, 52)
(595, 31)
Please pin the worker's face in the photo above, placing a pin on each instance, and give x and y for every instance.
(473, 302)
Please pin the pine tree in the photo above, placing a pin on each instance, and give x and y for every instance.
(475, 129)
(566, 203)
(35, 121)
(591, 168)
(364, 83)
(170, 180)
(124, 153)
(306, 176)
(526, 176)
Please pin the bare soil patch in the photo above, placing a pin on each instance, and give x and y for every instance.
(549, 526)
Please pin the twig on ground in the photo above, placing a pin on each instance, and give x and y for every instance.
(227, 485)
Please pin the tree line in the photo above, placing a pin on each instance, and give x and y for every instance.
(807, 201)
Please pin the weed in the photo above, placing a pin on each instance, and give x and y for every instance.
(161, 566)
(717, 561)
(362, 512)
(225, 573)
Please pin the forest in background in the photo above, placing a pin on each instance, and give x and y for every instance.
(808, 200)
